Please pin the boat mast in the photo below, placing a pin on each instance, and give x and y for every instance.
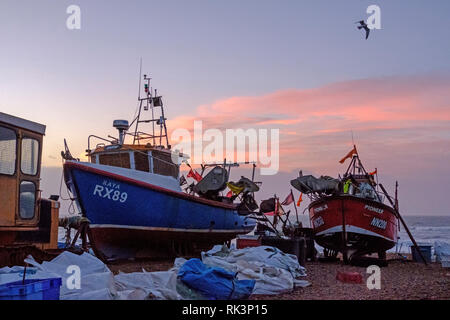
(355, 165)
(151, 101)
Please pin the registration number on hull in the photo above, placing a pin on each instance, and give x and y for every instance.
(379, 223)
(318, 222)
(110, 193)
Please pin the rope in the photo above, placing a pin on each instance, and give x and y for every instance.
(71, 209)
(60, 184)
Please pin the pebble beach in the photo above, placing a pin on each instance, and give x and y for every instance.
(400, 280)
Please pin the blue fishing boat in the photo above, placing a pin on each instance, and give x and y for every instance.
(139, 205)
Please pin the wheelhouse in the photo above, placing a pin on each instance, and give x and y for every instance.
(136, 157)
(20, 163)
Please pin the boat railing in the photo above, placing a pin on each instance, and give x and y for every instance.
(100, 138)
(155, 158)
(380, 197)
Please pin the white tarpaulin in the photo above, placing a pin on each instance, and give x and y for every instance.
(156, 285)
(274, 271)
(442, 252)
(96, 280)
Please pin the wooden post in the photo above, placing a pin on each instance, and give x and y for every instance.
(404, 224)
(273, 226)
(24, 273)
(396, 196)
(84, 226)
(275, 212)
(295, 205)
(396, 200)
(77, 234)
(344, 234)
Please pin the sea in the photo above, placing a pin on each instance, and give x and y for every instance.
(426, 230)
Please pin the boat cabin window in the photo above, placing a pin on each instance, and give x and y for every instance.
(163, 165)
(141, 161)
(115, 159)
(27, 199)
(8, 142)
(30, 156)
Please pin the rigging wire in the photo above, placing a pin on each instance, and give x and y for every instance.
(71, 208)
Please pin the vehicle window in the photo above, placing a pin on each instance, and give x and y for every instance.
(30, 156)
(8, 140)
(27, 199)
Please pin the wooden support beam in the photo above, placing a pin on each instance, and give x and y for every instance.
(403, 223)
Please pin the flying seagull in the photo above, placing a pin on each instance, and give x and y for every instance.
(364, 26)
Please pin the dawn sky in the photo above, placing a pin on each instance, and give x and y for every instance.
(299, 66)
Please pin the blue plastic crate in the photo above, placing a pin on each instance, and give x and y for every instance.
(33, 289)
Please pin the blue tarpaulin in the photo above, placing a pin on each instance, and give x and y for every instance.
(213, 282)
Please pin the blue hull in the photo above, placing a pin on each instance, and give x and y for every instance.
(117, 205)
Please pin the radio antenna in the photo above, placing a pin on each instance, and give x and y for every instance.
(140, 74)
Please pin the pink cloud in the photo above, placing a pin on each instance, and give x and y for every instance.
(315, 124)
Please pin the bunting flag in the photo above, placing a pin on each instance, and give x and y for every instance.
(195, 175)
(289, 199)
(349, 155)
(229, 194)
(300, 199)
(235, 189)
(373, 172)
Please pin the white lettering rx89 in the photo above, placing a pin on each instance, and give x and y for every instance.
(107, 193)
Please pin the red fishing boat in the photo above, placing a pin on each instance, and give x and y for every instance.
(348, 214)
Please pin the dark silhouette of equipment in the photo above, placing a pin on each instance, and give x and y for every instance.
(248, 203)
(214, 182)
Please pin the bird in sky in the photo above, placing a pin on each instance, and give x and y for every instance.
(363, 25)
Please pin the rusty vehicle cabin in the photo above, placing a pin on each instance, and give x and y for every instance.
(25, 218)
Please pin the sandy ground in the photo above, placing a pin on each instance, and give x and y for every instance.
(404, 280)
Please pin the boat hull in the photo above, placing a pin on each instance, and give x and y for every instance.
(353, 224)
(129, 217)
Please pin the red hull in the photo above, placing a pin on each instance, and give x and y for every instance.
(369, 226)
